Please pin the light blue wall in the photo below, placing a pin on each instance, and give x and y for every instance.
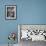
(28, 12)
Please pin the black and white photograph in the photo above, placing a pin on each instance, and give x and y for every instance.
(10, 12)
(30, 34)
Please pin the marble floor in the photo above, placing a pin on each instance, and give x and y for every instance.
(30, 43)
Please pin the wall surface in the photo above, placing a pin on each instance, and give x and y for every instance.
(28, 12)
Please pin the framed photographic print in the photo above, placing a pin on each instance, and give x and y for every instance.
(10, 12)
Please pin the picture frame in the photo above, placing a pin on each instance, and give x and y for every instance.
(39, 28)
(10, 12)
